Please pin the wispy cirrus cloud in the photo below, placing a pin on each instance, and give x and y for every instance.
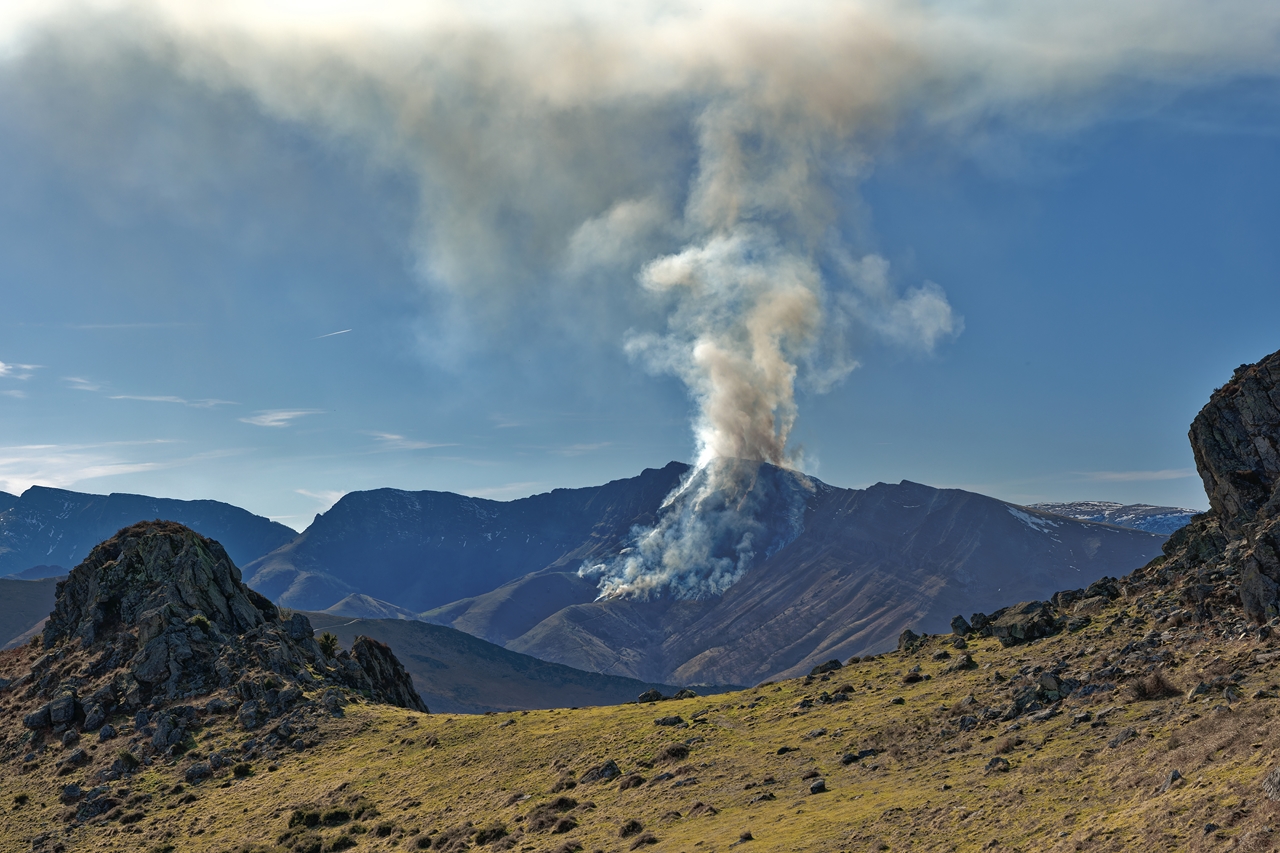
(580, 449)
(506, 491)
(77, 383)
(278, 417)
(195, 404)
(1138, 476)
(14, 392)
(64, 465)
(17, 371)
(326, 497)
(391, 441)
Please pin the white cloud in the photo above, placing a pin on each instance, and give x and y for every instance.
(14, 393)
(195, 404)
(331, 334)
(17, 371)
(62, 466)
(278, 417)
(327, 498)
(580, 449)
(507, 491)
(391, 441)
(78, 384)
(1138, 476)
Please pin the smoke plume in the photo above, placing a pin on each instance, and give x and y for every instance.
(691, 167)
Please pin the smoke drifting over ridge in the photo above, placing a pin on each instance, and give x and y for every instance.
(701, 156)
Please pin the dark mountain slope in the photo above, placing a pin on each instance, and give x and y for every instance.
(59, 528)
(868, 564)
(456, 673)
(7, 500)
(420, 550)
(25, 603)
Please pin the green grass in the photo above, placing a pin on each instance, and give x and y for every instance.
(402, 777)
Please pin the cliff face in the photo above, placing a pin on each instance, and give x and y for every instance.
(1236, 441)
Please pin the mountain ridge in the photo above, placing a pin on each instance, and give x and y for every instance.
(53, 527)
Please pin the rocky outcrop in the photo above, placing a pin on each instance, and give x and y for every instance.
(1236, 442)
(157, 616)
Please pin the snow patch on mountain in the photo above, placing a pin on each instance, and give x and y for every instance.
(1153, 519)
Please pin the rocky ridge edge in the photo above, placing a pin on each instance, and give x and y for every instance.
(156, 618)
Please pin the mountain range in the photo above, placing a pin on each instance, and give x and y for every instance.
(51, 530)
(839, 571)
(860, 566)
(1153, 519)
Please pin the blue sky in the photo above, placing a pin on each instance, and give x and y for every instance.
(221, 281)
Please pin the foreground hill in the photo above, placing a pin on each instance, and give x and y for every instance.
(954, 760)
(56, 528)
(456, 673)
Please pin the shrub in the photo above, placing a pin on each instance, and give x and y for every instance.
(128, 759)
(242, 770)
(1154, 685)
(200, 621)
(328, 644)
(336, 815)
(490, 834)
(342, 842)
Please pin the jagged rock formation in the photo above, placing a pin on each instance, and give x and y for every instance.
(1236, 441)
(156, 617)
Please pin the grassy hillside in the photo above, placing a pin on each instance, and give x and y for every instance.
(936, 772)
(457, 673)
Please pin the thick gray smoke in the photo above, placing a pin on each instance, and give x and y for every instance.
(564, 154)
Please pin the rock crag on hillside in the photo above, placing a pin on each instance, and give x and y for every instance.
(157, 617)
(1236, 441)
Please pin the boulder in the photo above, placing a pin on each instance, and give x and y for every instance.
(1022, 623)
(829, 666)
(960, 626)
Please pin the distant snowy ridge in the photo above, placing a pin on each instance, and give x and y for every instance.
(1153, 519)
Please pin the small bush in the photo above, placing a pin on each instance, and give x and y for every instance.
(674, 752)
(328, 644)
(21, 800)
(490, 834)
(128, 759)
(200, 621)
(336, 816)
(1154, 685)
(242, 770)
(630, 828)
(342, 842)
(304, 817)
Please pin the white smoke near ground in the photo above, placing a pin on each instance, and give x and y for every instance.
(708, 152)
